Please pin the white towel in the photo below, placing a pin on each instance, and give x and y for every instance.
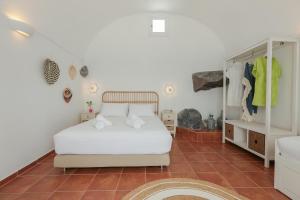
(104, 120)
(135, 121)
(101, 122)
(99, 125)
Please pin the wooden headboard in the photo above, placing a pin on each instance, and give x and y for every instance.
(134, 97)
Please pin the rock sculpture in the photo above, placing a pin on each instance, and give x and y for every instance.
(207, 80)
(190, 118)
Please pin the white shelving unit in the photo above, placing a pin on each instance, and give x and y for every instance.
(258, 127)
(259, 137)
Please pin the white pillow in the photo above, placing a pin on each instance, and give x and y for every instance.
(114, 109)
(142, 109)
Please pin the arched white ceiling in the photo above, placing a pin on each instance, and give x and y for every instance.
(239, 23)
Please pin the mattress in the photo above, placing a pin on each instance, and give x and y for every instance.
(84, 138)
(290, 146)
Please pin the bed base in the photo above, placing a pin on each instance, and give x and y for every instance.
(89, 161)
(287, 174)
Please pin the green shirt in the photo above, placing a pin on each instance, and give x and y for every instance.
(259, 72)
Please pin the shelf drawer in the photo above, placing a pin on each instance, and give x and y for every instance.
(229, 131)
(87, 116)
(257, 142)
(169, 122)
(168, 116)
(170, 128)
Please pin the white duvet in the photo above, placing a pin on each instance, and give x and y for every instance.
(84, 138)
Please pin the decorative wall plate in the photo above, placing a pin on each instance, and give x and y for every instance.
(72, 72)
(84, 71)
(67, 94)
(51, 71)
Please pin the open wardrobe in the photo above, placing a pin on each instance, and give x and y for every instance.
(261, 79)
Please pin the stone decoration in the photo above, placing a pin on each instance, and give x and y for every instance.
(190, 118)
(51, 71)
(67, 94)
(220, 121)
(72, 72)
(207, 80)
(84, 71)
(211, 122)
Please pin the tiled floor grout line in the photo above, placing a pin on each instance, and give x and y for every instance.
(218, 171)
(237, 169)
(60, 184)
(187, 161)
(91, 181)
(21, 193)
(51, 193)
(18, 175)
(209, 156)
(119, 180)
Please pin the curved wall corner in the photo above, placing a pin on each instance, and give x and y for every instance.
(126, 56)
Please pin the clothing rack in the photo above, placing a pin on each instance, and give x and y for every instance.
(241, 132)
(258, 52)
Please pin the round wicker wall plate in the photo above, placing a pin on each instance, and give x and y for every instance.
(51, 71)
(84, 71)
(67, 94)
(72, 72)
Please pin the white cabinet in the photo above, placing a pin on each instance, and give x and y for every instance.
(169, 118)
(87, 116)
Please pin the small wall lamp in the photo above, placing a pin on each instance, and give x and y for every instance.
(169, 89)
(20, 27)
(93, 88)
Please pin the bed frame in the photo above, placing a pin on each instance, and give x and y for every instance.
(104, 160)
(133, 97)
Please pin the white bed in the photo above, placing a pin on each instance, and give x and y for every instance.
(287, 166)
(118, 145)
(152, 138)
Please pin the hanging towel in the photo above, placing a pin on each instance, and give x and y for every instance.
(259, 72)
(235, 88)
(249, 88)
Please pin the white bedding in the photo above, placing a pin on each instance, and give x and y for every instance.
(290, 146)
(84, 138)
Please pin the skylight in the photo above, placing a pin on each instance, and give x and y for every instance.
(158, 26)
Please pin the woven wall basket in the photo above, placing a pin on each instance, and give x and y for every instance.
(84, 71)
(67, 94)
(72, 72)
(51, 71)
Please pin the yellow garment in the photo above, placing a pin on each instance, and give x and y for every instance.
(259, 72)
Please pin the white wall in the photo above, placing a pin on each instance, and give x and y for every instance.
(299, 104)
(31, 110)
(124, 56)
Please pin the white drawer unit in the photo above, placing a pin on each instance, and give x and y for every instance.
(169, 118)
(87, 116)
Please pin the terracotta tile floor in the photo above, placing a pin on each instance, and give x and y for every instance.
(222, 164)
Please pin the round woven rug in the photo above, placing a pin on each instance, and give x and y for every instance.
(182, 189)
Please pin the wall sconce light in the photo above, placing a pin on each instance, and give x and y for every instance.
(93, 88)
(169, 89)
(20, 27)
